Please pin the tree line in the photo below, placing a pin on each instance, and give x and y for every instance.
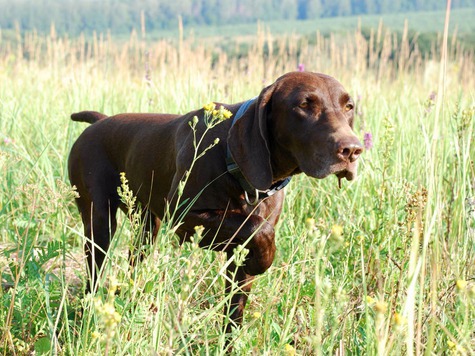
(121, 16)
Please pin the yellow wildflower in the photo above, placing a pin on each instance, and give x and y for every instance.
(113, 286)
(209, 107)
(199, 231)
(461, 284)
(310, 223)
(240, 253)
(225, 113)
(399, 319)
(95, 335)
(336, 236)
(256, 315)
(222, 114)
(109, 315)
(289, 349)
(337, 230)
(381, 307)
(455, 347)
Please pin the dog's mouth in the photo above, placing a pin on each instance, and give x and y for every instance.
(349, 175)
(322, 169)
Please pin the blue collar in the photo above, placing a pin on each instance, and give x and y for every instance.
(236, 172)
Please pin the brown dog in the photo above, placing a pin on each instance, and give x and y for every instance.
(301, 123)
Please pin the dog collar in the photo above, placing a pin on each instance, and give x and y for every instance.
(236, 172)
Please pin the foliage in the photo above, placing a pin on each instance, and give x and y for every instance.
(383, 265)
(121, 16)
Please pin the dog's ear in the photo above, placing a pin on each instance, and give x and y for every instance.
(249, 144)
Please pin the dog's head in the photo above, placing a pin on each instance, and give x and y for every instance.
(301, 123)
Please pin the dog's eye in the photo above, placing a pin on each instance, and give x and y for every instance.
(349, 107)
(303, 104)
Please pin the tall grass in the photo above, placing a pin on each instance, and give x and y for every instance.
(385, 265)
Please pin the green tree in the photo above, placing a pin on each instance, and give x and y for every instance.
(287, 9)
(343, 7)
(225, 11)
(120, 16)
(369, 7)
(309, 9)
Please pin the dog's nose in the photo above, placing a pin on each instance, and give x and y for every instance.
(349, 150)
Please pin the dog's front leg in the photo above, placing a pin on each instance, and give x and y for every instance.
(224, 232)
(238, 283)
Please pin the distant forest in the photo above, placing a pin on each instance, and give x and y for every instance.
(121, 16)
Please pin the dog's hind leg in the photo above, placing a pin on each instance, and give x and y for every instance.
(99, 226)
(98, 203)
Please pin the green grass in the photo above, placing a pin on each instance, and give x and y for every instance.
(398, 279)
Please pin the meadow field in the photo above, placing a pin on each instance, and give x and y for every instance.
(384, 265)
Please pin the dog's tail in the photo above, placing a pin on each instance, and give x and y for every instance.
(88, 116)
